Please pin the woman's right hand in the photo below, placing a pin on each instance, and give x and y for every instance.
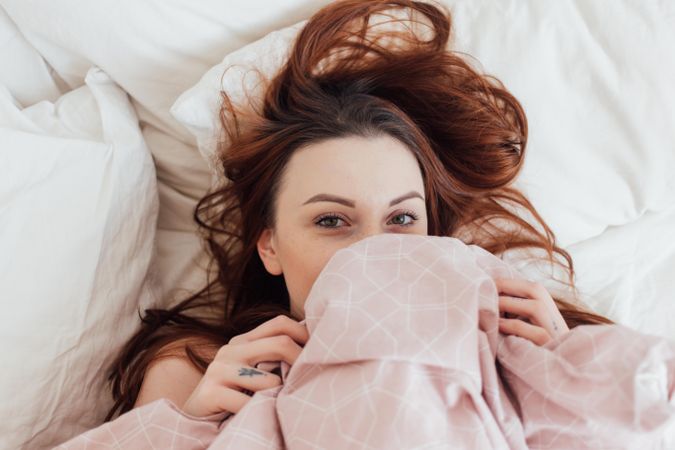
(232, 370)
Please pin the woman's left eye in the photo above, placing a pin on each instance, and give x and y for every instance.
(411, 215)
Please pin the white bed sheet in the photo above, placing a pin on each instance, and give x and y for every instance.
(607, 190)
(625, 263)
(627, 273)
(583, 50)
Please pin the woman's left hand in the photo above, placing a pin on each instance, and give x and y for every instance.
(531, 301)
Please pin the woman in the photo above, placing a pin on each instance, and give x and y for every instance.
(356, 136)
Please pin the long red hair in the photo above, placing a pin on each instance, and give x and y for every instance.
(348, 75)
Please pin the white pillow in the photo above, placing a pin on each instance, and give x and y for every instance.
(599, 105)
(155, 51)
(78, 213)
(198, 107)
(24, 72)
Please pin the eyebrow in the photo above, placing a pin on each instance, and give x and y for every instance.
(351, 204)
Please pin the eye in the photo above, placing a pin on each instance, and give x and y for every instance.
(334, 221)
(403, 223)
(329, 220)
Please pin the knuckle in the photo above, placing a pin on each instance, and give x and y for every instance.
(235, 339)
(224, 353)
(542, 337)
(274, 380)
(219, 365)
(539, 290)
(285, 341)
(281, 320)
(214, 370)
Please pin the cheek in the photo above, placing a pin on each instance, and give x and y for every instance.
(303, 260)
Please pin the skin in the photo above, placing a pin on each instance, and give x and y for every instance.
(370, 172)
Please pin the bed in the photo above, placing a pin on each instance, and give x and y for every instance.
(106, 143)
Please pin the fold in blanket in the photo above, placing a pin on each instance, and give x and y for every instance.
(404, 351)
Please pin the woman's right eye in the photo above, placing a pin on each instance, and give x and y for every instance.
(329, 221)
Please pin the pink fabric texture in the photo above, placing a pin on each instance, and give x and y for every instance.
(404, 352)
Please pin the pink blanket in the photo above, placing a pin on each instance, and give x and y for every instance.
(404, 351)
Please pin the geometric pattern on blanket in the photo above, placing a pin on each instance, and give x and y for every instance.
(404, 351)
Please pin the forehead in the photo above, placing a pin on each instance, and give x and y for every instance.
(353, 167)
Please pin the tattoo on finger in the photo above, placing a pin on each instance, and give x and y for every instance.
(246, 372)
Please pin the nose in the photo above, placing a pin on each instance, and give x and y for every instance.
(370, 230)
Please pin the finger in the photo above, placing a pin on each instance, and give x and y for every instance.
(278, 325)
(530, 309)
(228, 399)
(241, 376)
(540, 310)
(273, 348)
(525, 330)
(520, 288)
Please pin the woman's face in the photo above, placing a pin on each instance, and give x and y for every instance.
(333, 194)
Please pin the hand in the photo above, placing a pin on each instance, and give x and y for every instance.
(531, 301)
(231, 374)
